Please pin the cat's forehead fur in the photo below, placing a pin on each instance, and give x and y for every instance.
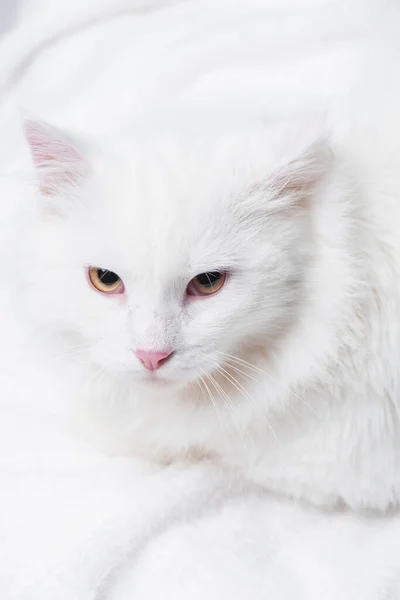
(169, 197)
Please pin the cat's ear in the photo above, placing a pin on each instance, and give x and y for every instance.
(57, 158)
(297, 181)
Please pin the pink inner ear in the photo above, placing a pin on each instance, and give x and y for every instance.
(54, 155)
(300, 178)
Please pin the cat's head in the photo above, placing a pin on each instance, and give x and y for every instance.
(166, 259)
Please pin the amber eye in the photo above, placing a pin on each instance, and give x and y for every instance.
(105, 281)
(207, 283)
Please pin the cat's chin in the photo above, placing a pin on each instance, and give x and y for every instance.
(160, 384)
(156, 383)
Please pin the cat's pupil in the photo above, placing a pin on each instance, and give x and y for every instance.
(107, 277)
(208, 279)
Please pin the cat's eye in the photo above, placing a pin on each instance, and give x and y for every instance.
(206, 284)
(105, 281)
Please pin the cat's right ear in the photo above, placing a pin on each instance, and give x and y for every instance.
(57, 158)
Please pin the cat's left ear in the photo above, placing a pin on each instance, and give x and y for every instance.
(296, 183)
(58, 159)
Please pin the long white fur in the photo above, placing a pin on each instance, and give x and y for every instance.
(301, 305)
(310, 302)
(313, 301)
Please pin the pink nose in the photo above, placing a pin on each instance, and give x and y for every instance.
(152, 360)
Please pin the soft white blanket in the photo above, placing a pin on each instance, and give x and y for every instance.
(76, 525)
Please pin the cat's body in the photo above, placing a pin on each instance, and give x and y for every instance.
(305, 332)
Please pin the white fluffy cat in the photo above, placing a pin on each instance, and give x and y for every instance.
(226, 289)
(235, 304)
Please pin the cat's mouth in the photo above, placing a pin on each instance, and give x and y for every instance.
(157, 380)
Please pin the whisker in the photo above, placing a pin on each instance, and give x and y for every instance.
(246, 394)
(70, 354)
(243, 373)
(253, 368)
(216, 408)
(231, 407)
